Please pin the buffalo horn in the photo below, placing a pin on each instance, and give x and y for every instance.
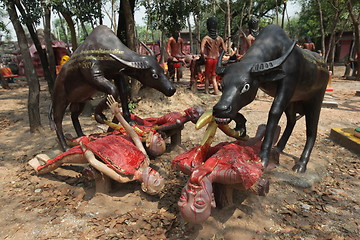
(219, 68)
(147, 48)
(137, 65)
(267, 66)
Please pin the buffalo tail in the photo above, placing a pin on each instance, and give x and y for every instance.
(51, 117)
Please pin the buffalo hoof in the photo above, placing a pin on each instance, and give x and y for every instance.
(264, 160)
(263, 187)
(298, 168)
(100, 118)
(275, 156)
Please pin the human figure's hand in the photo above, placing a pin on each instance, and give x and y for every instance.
(113, 105)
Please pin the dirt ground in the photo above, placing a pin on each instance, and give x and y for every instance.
(323, 203)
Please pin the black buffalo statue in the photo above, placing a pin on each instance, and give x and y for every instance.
(295, 77)
(101, 58)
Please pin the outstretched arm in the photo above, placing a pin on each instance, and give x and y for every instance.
(114, 107)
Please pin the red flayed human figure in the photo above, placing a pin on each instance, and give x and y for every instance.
(309, 45)
(174, 49)
(248, 40)
(211, 45)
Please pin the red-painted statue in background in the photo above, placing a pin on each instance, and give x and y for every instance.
(174, 49)
(211, 45)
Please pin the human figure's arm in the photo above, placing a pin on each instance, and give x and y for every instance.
(168, 48)
(202, 47)
(249, 40)
(181, 45)
(222, 44)
(114, 107)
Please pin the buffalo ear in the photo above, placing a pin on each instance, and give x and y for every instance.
(272, 76)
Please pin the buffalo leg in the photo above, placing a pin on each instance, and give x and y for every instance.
(291, 120)
(58, 114)
(76, 109)
(312, 114)
(278, 107)
(103, 85)
(122, 86)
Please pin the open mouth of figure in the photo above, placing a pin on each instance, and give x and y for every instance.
(222, 120)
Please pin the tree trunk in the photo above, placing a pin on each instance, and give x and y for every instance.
(228, 20)
(331, 39)
(191, 37)
(121, 26)
(321, 27)
(250, 7)
(48, 43)
(240, 27)
(276, 13)
(82, 24)
(283, 15)
(332, 59)
(41, 53)
(128, 7)
(33, 81)
(71, 25)
(197, 33)
(356, 24)
(66, 38)
(100, 17)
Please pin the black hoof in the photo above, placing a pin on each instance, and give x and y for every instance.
(299, 168)
(264, 186)
(100, 118)
(265, 162)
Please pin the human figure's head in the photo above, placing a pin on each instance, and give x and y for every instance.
(253, 25)
(196, 201)
(155, 144)
(212, 24)
(175, 34)
(194, 113)
(152, 182)
(307, 39)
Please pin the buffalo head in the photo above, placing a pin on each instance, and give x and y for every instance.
(241, 81)
(148, 71)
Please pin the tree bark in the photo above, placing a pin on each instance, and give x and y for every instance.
(82, 24)
(100, 17)
(321, 27)
(127, 7)
(33, 81)
(41, 53)
(66, 38)
(283, 15)
(197, 33)
(228, 20)
(191, 37)
(250, 8)
(48, 42)
(356, 24)
(71, 25)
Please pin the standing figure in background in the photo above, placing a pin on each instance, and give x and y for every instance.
(309, 45)
(248, 40)
(174, 49)
(211, 45)
(253, 25)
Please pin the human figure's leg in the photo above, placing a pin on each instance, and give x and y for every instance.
(215, 84)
